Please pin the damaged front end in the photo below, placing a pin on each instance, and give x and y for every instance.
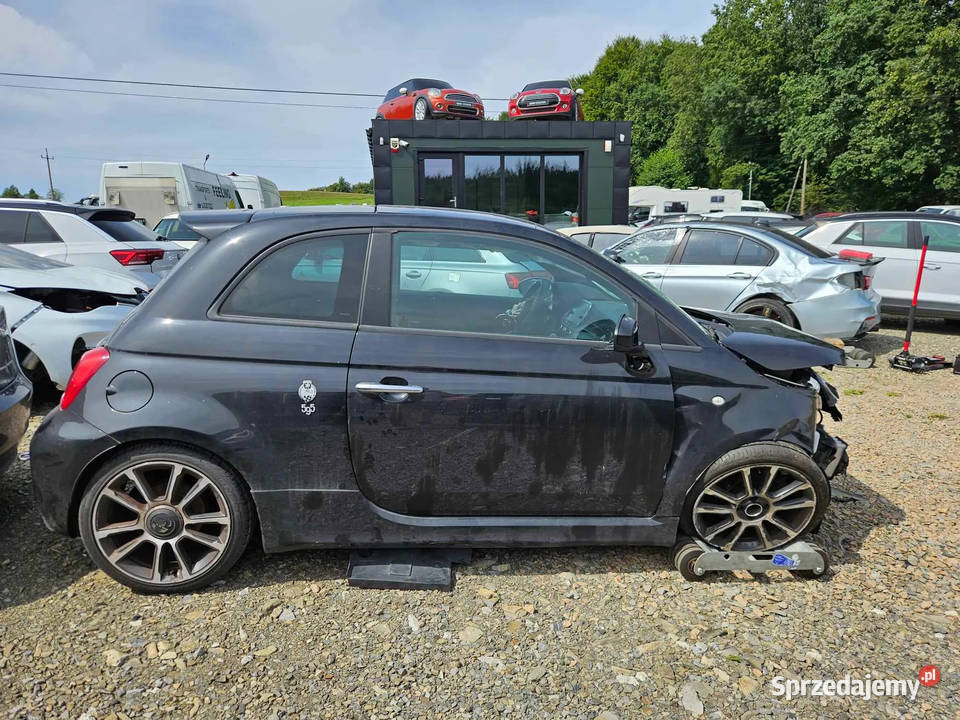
(786, 356)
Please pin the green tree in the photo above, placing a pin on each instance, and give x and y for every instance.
(362, 187)
(341, 185)
(55, 194)
(33, 194)
(664, 167)
(11, 192)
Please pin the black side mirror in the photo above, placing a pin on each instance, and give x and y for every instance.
(627, 337)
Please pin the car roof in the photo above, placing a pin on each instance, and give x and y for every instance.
(890, 215)
(211, 223)
(751, 213)
(574, 229)
(759, 232)
(88, 212)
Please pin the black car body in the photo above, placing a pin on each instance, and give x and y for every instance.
(15, 395)
(589, 429)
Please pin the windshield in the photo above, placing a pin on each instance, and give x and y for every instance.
(547, 85)
(126, 231)
(21, 260)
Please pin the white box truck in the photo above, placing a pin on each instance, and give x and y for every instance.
(257, 192)
(154, 190)
(650, 200)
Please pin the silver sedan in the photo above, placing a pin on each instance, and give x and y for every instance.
(762, 271)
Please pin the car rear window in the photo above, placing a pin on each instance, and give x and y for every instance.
(944, 236)
(876, 233)
(797, 243)
(316, 280)
(753, 253)
(126, 231)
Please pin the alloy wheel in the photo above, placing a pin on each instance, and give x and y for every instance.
(161, 522)
(420, 110)
(757, 507)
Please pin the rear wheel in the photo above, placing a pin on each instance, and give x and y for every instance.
(756, 498)
(769, 308)
(421, 109)
(161, 518)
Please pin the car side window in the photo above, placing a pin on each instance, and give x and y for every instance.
(885, 233)
(753, 253)
(13, 224)
(521, 288)
(710, 247)
(943, 236)
(649, 248)
(582, 238)
(317, 279)
(39, 231)
(601, 241)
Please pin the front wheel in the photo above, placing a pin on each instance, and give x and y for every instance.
(757, 497)
(421, 109)
(769, 308)
(161, 518)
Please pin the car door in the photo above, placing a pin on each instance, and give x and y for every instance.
(895, 277)
(648, 253)
(940, 286)
(704, 272)
(41, 239)
(504, 405)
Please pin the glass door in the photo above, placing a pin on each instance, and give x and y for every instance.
(438, 186)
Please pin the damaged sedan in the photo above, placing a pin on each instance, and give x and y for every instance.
(57, 311)
(757, 270)
(291, 379)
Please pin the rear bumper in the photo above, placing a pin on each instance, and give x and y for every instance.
(845, 315)
(63, 446)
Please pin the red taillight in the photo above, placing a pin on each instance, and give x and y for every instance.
(866, 282)
(514, 279)
(88, 365)
(848, 254)
(136, 257)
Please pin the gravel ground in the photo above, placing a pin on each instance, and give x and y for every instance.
(599, 633)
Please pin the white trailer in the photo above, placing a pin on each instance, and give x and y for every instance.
(651, 200)
(257, 192)
(156, 189)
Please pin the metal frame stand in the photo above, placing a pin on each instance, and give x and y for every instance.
(694, 559)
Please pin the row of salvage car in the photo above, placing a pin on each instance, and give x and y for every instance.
(69, 275)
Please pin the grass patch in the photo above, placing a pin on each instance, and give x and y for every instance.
(891, 393)
(322, 197)
(852, 391)
(938, 416)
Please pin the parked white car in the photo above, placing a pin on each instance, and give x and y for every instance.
(897, 237)
(171, 228)
(57, 311)
(598, 237)
(107, 238)
(941, 209)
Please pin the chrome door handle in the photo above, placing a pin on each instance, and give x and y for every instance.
(394, 392)
(413, 274)
(739, 276)
(931, 267)
(651, 275)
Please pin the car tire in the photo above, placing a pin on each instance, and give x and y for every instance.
(757, 497)
(190, 531)
(421, 102)
(770, 308)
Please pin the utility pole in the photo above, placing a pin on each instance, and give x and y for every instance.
(803, 189)
(793, 189)
(46, 156)
(205, 161)
(750, 186)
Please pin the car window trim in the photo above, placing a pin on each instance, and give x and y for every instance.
(377, 292)
(214, 311)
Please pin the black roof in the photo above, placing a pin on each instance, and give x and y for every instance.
(88, 212)
(889, 215)
(211, 223)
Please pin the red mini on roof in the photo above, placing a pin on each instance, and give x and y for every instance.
(549, 99)
(423, 98)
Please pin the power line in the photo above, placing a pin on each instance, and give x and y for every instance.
(183, 97)
(203, 87)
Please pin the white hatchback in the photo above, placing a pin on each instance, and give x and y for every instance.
(107, 238)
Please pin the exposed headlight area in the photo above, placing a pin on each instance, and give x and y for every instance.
(434, 93)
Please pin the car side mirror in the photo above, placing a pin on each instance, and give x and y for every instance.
(403, 91)
(627, 337)
(579, 91)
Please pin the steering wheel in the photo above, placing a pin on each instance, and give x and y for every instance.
(537, 292)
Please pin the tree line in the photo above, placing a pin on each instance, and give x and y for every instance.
(343, 185)
(868, 91)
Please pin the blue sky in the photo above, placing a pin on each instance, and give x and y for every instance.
(352, 45)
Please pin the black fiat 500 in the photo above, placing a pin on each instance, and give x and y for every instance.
(384, 377)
